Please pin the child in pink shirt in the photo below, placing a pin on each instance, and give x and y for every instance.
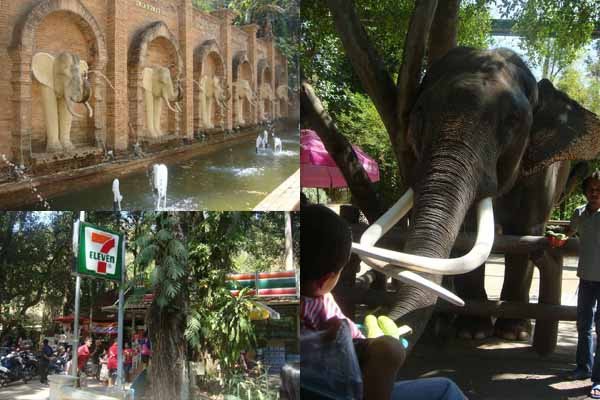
(325, 246)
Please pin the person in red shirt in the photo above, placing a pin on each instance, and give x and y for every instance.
(128, 361)
(83, 354)
(112, 362)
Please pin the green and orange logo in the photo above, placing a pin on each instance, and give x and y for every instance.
(100, 252)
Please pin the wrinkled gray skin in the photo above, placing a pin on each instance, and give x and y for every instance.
(480, 127)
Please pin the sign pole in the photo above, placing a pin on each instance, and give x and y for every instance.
(76, 322)
(120, 328)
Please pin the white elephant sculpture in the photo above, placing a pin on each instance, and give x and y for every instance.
(282, 95)
(158, 87)
(266, 94)
(214, 93)
(243, 91)
(64, 80)
(202, 90)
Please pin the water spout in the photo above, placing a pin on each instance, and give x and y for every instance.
(117, 198)
(160, 178)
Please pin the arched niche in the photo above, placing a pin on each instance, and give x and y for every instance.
(152, 45)
(280, 80)
(242, 69)
(34, 33)
(207, 62)
(264, 78)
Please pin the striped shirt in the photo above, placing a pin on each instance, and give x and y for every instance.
(316, 311)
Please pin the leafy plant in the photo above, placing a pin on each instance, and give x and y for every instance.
(219, 323)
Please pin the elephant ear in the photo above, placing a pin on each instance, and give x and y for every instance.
(562, 130)
(42, 67)
(147, 79)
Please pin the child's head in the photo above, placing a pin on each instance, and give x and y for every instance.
(325, 244)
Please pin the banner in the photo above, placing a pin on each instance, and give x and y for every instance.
(100, 252)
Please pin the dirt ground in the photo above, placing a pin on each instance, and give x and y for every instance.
(493, 369)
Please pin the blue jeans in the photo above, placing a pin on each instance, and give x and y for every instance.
(427, 389)
(587, 298)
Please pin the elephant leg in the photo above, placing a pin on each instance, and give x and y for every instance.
(517, 281)
(209, 114)
(51, 115)
(202, 111)
(470, 286)
(241, 111)
(149, 101)
(65, 121)
(158, 102)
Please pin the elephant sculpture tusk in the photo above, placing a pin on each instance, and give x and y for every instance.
(70, 108)
(90, 110)
(477, 256)
(169, 104)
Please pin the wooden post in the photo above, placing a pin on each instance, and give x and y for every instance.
(550, 264)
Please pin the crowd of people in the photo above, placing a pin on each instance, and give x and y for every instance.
(96, 359)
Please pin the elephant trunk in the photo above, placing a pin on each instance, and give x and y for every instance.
(169, 104)
(68, 103)
(179, 96)
(443, 197)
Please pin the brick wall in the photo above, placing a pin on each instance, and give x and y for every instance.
(81, 27)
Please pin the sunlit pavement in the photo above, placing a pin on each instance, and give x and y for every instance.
(34, 390)
(30, 391)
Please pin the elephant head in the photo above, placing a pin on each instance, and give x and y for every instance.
(64, 80)
(282, 93)
(243, 91)
(158, 87)
(480, 123)
(220, 92)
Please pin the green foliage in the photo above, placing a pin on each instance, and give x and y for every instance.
(219, 323)
(242, 387)
(163, 250)
(554, 31)
(474, 25)
(361, 124)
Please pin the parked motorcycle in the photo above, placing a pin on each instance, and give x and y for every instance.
(13, 368)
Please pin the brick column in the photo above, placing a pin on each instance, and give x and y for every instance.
(186, 46)
(271, 60)
(21, 102)
(226, 16)
(251, 30)
(117, 109)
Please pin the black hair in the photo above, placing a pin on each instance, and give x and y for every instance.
(325, 242)
(594, 176)
(45, 341)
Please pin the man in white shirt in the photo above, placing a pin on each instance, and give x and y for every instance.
(586, 221)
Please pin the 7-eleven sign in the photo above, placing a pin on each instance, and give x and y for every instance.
(100, 252)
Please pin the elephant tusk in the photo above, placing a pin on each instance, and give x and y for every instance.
(169, 104)
(70, 108)
(388, 220)
(90, 110)
(477, 256)
(178, 107)
(413, 279)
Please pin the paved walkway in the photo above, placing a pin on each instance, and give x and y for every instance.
(493, 369)
(34, 390)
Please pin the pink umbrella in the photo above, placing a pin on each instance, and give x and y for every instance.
(317, 168)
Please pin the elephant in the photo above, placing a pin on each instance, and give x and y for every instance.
(282, 95)
(214, 93)
(266, 94)
(158, 87)
(243, 91)
(202, 97)
(64, 80)
(482, 131)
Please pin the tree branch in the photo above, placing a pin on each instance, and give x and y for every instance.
(341, 151)
(365, 61)
(409, 77)
(444, 30)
